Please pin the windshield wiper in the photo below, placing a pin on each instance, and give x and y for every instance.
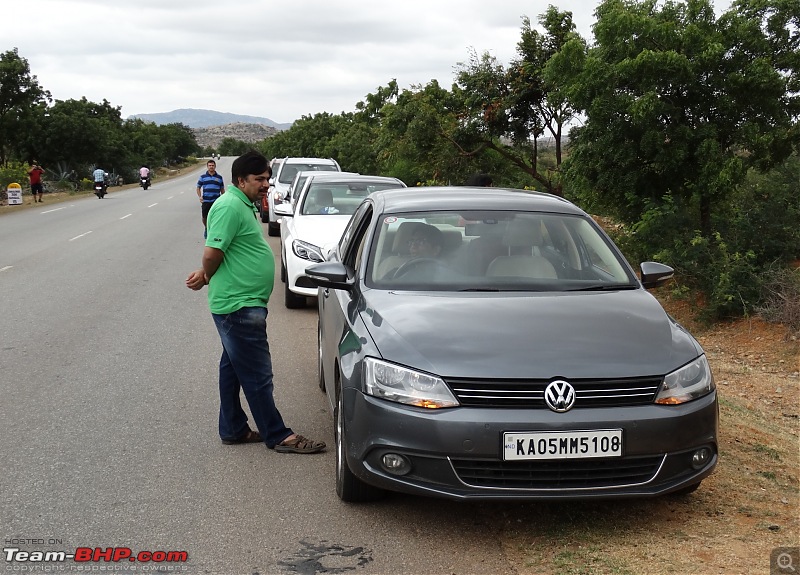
(605, 287)
(480, 289)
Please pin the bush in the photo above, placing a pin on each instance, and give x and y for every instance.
(780, 299)
(13, 172)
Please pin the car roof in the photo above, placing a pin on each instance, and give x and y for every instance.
(468, 198)
(330, 161)
(334, 177)
(317, 173)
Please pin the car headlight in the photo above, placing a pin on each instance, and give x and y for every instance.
(687, 383)
(307, 251)
(277, 197)
(403, 385)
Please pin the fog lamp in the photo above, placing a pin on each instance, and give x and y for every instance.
(701, 457)
(396, 464)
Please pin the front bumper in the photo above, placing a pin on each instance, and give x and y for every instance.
(457, 453)
(296, 278)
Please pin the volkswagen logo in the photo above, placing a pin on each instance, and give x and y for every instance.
(559, 396)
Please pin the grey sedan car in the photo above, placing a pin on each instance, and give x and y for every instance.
(488, 344)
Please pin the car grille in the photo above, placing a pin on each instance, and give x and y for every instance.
(557, 474)
(530, 393)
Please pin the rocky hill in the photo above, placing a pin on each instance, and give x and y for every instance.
(251, 133)
(195, 118)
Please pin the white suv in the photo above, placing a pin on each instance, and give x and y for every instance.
(282, 178)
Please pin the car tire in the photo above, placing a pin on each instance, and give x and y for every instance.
(349, 488)
(291, 299)
(265, 217)
(283, 270)
(273, 229)
(319, 357)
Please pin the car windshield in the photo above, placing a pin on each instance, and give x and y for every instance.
(494, 251)
(289, 171)
(340, 198)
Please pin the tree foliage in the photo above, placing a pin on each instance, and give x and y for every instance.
(77, 135)
(512, 110)
(21, 101)
(685, 130)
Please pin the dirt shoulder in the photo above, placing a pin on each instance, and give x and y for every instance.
(732, 523)
(55, 197)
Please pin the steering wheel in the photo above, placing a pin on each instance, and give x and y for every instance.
(414, 264)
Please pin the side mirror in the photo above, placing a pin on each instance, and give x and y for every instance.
(655, 274)
(284, 210)
(330, 275)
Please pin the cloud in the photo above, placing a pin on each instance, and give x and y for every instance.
(279, 60)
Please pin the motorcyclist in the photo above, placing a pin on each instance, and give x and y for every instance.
(101, 176)
(144, 173)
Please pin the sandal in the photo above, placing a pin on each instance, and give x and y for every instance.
(249, 437)
(299, 444)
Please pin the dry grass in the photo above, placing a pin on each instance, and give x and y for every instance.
(748, 507)
(55, 197)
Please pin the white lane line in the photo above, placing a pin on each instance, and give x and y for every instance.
(50, 211)
(6, 268)
(169, 198)
(151, 205)
(80, 236)
(123, 217)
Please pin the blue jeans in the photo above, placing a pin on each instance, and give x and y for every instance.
(247, 365)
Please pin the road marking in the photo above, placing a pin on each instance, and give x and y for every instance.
(169, 198)
(151, 205)
(80, 236)
(53, 210)
(123, 217)
(6, 268)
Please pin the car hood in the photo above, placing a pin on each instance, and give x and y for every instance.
(515, 335)
(323, 231)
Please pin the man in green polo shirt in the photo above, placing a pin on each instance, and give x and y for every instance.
(239, 270)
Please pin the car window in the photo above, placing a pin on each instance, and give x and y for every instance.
(503, 251)
(299, 181)
(290, 170)
(351, 246)
(339, 198)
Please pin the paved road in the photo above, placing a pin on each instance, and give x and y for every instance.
(108, 413)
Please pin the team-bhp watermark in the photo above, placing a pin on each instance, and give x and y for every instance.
(94, 555)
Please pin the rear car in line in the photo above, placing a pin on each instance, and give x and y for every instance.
(314, 222)
(281, 179)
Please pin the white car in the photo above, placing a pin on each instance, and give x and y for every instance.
(315, 222)
(281, 179)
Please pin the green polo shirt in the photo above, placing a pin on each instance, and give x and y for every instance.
(247, 272)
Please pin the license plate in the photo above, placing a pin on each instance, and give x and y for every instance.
(562, 445)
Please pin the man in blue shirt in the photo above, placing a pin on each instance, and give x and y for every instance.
(209, 187)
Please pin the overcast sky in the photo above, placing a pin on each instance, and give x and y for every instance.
(279, 60)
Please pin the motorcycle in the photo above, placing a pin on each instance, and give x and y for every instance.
(99, 189)
(144, 182)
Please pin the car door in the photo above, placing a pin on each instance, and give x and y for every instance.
(340, 327)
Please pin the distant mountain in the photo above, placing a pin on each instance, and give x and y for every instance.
(250, 133)
(205, 118)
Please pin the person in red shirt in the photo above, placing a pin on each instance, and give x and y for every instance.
(35, 174)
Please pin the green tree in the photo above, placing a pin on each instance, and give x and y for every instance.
(22, 103)
(145, 143)
(511, 111)
(233, 147)
(680, 107)
(179, 141)
(677, 105)
(84, 133)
